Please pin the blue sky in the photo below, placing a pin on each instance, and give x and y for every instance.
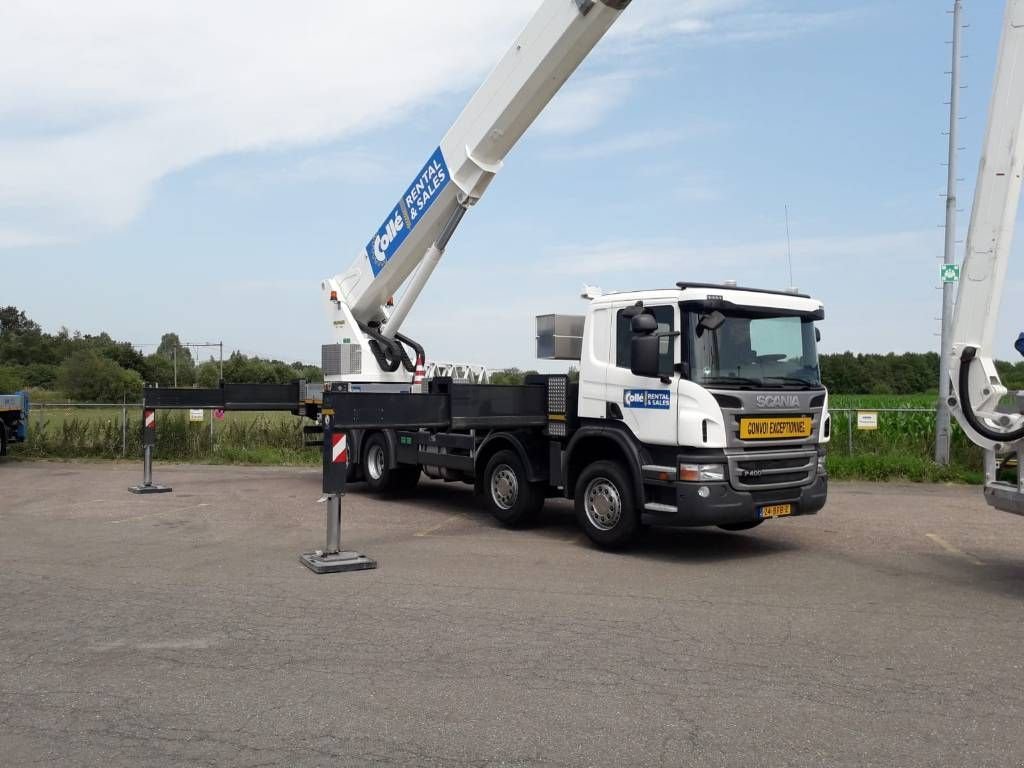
(196, 170)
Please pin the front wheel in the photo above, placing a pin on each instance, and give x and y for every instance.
(511, 497)
(605, 506)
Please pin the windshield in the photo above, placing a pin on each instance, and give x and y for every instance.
(754, 350)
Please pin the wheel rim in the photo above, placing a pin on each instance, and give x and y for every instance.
(375, 462)
(504, 487)
(602, 503)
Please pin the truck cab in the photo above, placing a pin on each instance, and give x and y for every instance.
(14, 411)
(717, 391)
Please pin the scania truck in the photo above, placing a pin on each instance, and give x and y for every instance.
(696, 404)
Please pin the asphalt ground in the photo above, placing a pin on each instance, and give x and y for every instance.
(181, 630)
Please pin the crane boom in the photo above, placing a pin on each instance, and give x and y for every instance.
(976, 390)
(975, 383)
(415, 232)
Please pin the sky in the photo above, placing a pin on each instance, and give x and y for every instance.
(200, 167)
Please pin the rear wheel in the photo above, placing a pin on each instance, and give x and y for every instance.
(380, 476)
(511, 497)
(3, 439)
(605, 507)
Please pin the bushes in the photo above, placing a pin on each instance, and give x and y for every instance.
(88, 376)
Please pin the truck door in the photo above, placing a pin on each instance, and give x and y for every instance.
(647, 406)
(594, 363)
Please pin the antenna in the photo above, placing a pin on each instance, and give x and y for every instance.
(789, 247)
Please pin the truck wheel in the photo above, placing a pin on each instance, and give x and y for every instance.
(741, 526)
(511, 497)
(382, 478)
(3, 439)
(605, 508)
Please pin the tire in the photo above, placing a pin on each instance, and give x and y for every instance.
(741, 526)
(605, 505)
(379, 476)
(3, 439)
(512, 498)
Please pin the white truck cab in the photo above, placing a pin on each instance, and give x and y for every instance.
(718, 389)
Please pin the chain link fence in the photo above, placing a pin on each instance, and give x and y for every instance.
(114, 430)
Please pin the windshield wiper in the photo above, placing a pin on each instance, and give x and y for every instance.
(793, 380)
(736, 380)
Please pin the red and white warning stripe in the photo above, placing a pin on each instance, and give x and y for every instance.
(339, 449)
(421, 372)
(149, 419)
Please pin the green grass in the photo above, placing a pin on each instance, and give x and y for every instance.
(899, 466)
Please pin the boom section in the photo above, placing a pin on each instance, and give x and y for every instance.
(554, 43)
(975, 383)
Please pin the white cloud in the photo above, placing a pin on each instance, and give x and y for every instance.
(719, 21)
(19, 238)
(100, 100)
(583, 104)
(810, 254)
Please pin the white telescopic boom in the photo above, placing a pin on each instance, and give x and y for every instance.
(975, 383)
(554, 43)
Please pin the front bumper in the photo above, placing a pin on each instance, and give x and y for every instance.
(725, 504)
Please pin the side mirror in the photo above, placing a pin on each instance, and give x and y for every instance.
(710, 322)
(817, 334)
(644, 355)
(643, 324)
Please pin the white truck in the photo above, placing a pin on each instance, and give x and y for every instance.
(696, 404)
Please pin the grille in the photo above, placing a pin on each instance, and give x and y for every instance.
(780, 469)
(796, 461)
(340, 359)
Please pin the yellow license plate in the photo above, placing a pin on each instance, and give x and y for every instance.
(776, 510)
(776, 428)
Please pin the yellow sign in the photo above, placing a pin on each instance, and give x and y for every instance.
(775, 428)
(776, 510)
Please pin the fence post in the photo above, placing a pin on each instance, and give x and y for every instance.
(124, 427)
(849, 432)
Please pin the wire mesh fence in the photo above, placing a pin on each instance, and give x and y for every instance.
(114, 430)
(907, 431)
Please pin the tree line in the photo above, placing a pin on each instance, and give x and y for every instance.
(98, 368)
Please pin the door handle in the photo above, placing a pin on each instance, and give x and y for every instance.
(613, 411)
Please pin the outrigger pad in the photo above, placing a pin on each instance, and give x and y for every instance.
(336, 563)
(150, 489)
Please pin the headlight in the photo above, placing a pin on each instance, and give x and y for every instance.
(702, 473)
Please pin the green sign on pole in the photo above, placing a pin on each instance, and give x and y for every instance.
(950, 273)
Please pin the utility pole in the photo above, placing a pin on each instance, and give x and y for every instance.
(942, 433)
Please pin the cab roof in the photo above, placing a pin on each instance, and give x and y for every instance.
(728, 294)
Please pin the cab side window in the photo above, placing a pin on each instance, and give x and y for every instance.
(624, 333)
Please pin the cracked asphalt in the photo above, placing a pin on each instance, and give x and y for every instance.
(181, 630)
